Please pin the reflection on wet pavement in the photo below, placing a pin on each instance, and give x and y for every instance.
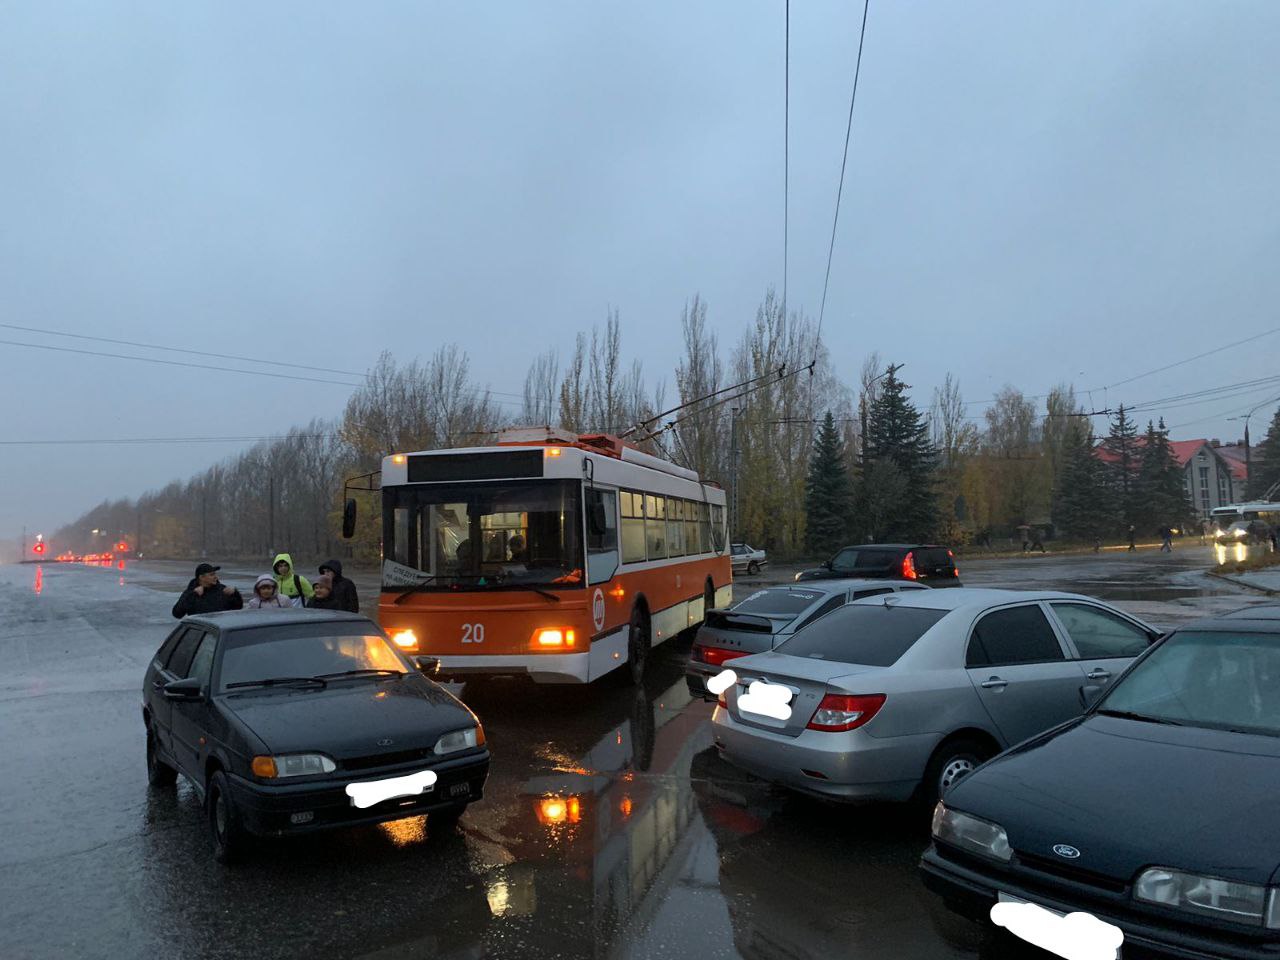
(610, 827)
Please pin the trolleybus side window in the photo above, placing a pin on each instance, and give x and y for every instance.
(655, 526)
(675, 527)
(602, 534)
(717, 527)
(632, 527)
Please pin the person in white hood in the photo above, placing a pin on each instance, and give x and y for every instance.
(266, 595)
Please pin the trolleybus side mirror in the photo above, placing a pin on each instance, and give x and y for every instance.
(348, 519)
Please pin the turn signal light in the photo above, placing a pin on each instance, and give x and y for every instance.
(264, 767)
(405, 639)
(553, 638)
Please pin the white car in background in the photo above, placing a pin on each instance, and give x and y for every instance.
(745, 558)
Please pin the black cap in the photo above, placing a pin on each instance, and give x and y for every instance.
(206, 568)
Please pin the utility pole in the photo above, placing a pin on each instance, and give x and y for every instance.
(733, 471)
(204, 524)
(23, 554)
(271, 513)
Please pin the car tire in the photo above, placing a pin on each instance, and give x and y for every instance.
(753, 569)
(159, 773)
(638, 646)
(952, 762)
(226, 831)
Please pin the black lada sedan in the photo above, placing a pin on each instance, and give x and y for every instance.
(292, 721)
(1155, 813)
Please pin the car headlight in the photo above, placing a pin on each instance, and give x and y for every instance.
(292, 765)
(460, 740)
(1210, 896)
(971, 834)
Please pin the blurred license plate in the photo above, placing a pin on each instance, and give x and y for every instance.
(1084, 935)
(460, 790)
(371, 792)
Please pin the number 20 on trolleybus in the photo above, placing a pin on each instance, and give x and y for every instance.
(556, 556)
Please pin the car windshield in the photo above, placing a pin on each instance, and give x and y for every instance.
(868, 634)
(478, 536)
(305, 650)
(779, 602)
(1218, 679)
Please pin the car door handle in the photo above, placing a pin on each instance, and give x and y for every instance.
(1098, 674)
(995, 683)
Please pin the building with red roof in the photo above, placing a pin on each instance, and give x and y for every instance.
(1213, 475)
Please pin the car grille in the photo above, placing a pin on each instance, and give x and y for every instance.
(387, 759)
(1057, 868)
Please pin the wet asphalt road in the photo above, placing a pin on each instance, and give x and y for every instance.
(609, 827)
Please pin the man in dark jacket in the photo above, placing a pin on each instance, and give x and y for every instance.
(205, 594)
(344, 591)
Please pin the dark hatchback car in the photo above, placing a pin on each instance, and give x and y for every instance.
(1155, 812)
(929, 564)
(287, 722)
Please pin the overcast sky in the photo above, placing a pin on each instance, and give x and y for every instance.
(1036, 193)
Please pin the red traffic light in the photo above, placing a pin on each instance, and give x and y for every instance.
(38, 548)
(122, 546)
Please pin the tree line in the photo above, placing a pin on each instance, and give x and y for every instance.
(812, 457)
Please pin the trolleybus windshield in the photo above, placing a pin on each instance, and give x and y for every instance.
(483, 535)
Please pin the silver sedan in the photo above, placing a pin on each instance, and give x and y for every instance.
(896, 697)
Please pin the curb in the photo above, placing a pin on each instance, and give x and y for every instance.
(1242, 583)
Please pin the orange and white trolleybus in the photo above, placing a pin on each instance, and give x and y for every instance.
(552, 555)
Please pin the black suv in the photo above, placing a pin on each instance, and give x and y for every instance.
(301, 720)
(923, 563)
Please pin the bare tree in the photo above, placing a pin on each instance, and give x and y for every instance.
(541, 386)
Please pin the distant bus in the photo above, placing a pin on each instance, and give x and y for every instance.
(560, 557)
(1258, 511)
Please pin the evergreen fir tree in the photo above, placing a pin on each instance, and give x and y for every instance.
(1160, 499)
(828, 493)
(896, 434)
(1264, 468)
(1086, 505)
(1164, 485)
(1122, 444)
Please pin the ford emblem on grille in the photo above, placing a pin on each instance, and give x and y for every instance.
(387, 741)
(1066, 850)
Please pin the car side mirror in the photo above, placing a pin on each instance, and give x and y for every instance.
(827, 565)
(348, 520)
(1089, 694)
(187, 689)
(427, 665)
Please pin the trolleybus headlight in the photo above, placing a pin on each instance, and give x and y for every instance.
(405, 639)
(553, 638)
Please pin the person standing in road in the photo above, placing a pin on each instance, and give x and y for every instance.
(206, 594)
(266, 595)
(1037, 540)
(294, 587)
(342, 589)
(1166, 539)
(323, 598)
(1133, 539)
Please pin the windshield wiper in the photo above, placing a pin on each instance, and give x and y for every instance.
(545, 593)
(415, 588)
(1129, 715)
(445, 576)
(277, 682)
(363, 672)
